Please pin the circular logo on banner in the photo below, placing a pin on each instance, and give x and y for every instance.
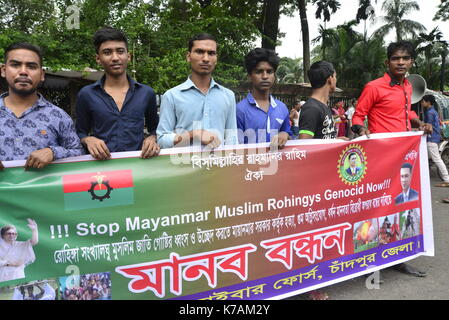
(352, 164)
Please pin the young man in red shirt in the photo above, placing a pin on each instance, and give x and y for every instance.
(386, 102)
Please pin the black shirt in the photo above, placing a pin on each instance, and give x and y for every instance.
(316, 120)
(98, 114)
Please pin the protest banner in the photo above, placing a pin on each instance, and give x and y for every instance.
(235, 223)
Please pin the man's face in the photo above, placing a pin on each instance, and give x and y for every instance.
(114, 57)
(23, 71)
(353, 160)
(399, 63)
(263, 76)
(406, 178)
(425, 104)
(203, 57)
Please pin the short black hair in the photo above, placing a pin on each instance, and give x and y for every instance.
(401, 45)
(352, 154)
(108, 34)
(26, 46)
(407, 165)
(429, 98)
(199, 37)
(319, 72)
(261, 54)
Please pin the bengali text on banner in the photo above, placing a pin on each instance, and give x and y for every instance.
(230, 224)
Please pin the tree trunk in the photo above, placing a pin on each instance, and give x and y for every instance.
(270, 24)
(443, 69)
(305, 38)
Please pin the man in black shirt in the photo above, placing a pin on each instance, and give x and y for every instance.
(316, 121)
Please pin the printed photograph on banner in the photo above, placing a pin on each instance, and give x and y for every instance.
(16, 249)
(410, 223)
(365, 235)
(35, 290)
(389, 229)
(407, 193)
(352, 165)
(95, 286)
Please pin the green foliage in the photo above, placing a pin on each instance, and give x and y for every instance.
(356, 58)
(290, 70)
(158, 32)
(443, 11)
(395, 19)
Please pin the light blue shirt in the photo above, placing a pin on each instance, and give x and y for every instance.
(186, 108)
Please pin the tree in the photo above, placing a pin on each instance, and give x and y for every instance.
(327, 37)
(158, 32)
(396, 11)
(270, 23)
(305, 37)
(353, 53)
(324, 8)
(443, 11)
(433, 61)
(289, 70)
(365, 10)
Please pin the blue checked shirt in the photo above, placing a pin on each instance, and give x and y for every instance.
(44, 125)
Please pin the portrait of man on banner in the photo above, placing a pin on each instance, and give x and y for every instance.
(407, 194)
(353, 168)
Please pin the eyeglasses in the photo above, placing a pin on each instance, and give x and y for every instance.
(11, 234)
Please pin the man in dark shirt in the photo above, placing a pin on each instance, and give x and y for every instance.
(316, 121)
(113, 109)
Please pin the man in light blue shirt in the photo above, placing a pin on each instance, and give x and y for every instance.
(198, 110)
(260, 117)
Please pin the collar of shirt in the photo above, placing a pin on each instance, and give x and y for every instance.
(41, 102)
(188, 84)
(394, 82)
(132, 83)
(253, 101)
(405, 194)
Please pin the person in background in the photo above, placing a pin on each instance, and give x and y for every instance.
(343, 121)
(294, 118)
(431, 117)
(349, 113)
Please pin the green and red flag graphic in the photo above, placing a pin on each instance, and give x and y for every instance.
(98, 189)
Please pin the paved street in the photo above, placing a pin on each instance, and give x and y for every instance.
(399, 286)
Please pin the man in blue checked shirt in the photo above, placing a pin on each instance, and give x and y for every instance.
(260, 117)
(32, 128)
(198, 110)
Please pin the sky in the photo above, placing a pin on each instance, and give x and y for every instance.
(292, 47)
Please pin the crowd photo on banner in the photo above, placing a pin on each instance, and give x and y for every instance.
(159, 155)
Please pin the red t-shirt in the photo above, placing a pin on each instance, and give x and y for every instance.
(387, 105)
